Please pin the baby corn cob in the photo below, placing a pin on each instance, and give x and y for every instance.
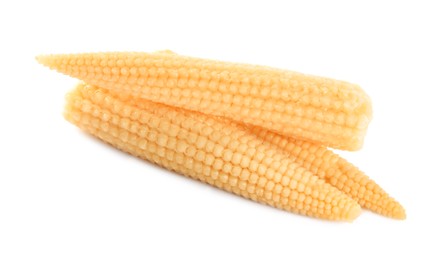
(326, 111)
(337, 172)
(213, 150)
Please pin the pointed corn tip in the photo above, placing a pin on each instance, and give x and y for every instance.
(393, 209)
(43, 59)
(399, 213)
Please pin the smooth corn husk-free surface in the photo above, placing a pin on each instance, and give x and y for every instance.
(213, 150)
(326, 111)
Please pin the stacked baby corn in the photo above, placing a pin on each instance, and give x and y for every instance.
(255, 131)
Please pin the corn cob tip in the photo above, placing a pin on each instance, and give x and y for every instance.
(391, 208)
(38, 58)
(399, 213)
(43, 59)
(53, 61)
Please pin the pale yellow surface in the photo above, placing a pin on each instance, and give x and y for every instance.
(256, 131)
(337, 172)
(322, 110)
(216, 151)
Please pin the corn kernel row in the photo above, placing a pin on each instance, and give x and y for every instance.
(337, 172)
(255, 131)
(330, 112)
(216, 151)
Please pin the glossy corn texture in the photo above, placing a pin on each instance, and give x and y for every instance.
(326, 111)
(213, 150)
(336, 171)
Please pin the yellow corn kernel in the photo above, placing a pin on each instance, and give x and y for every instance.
(330, 112)
(149, 137)
(336, 171)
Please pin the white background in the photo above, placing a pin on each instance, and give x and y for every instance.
(64, 195)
